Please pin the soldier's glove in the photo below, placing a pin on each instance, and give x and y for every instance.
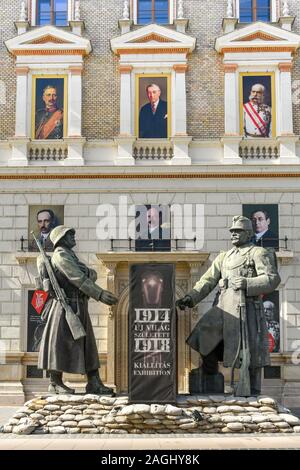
(239, 283)
(186, 301)
(108, 298)
(92, 275)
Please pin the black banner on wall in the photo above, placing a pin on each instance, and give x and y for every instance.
(152, 334)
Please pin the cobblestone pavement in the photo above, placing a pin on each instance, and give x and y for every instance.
(149, 442)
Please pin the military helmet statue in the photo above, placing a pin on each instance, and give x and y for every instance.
(242, 223)
(58, 233)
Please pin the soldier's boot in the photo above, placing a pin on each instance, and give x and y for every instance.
(96, 386)
(255, 381)
(57, 386)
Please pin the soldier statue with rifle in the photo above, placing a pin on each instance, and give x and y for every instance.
(234, 329)
(68, 343)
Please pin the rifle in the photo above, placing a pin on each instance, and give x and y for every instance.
(72, 319)
(243, 388)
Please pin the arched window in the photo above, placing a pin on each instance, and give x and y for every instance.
(53, 12)
(255, 10)
(153, 11)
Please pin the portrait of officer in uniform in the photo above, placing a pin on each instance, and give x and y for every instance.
(153, 116)
(49, 115)
(273, 325)
(257, 110)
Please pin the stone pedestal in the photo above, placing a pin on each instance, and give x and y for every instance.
(77, 27)
(204, 383)
(75, 151)
(181, 24)
(229, 25)
(181, 150)
(19, 151)
(124, 155)
(125, 25)
(231, 150)
(286, 22)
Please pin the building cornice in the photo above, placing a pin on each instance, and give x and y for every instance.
(153, 39)
(134, 176)
(48, 40)
(258, 37)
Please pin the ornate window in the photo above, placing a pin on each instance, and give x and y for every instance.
(255, 10)
(54, 12)
(153, 11)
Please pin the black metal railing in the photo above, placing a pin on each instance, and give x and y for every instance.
(174, 244)
(167, 245)
(277, 243)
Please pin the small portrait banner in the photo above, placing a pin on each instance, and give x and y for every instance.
(153, 104)
(265, 223)
(271, 312)
(257, 105)
(42, 220)
(49, 107)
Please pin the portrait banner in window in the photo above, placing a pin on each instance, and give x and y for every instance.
(153, 104)
(271, 312)
(42, 219)
(264, 219)
(49, 107)
(257, 105)
(152, 334)
(153, 228)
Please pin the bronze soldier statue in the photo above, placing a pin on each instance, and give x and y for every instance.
(59, 351)
(243, 274)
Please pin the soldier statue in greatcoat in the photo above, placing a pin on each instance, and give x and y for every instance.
(248, 270)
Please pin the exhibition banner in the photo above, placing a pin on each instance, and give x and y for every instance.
(152, 334)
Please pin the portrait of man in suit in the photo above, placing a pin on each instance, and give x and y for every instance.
(264, 218)
(153, 116)
(153, 230)
(42, 222)
(263, 234)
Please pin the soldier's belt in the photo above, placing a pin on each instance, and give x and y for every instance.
(80, 296)
(227, 284)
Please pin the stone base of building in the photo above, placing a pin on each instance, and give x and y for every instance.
(92, 414)
(11, 393)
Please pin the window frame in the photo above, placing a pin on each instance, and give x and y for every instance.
(35, 9)
(274, 14)
(171, 12)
